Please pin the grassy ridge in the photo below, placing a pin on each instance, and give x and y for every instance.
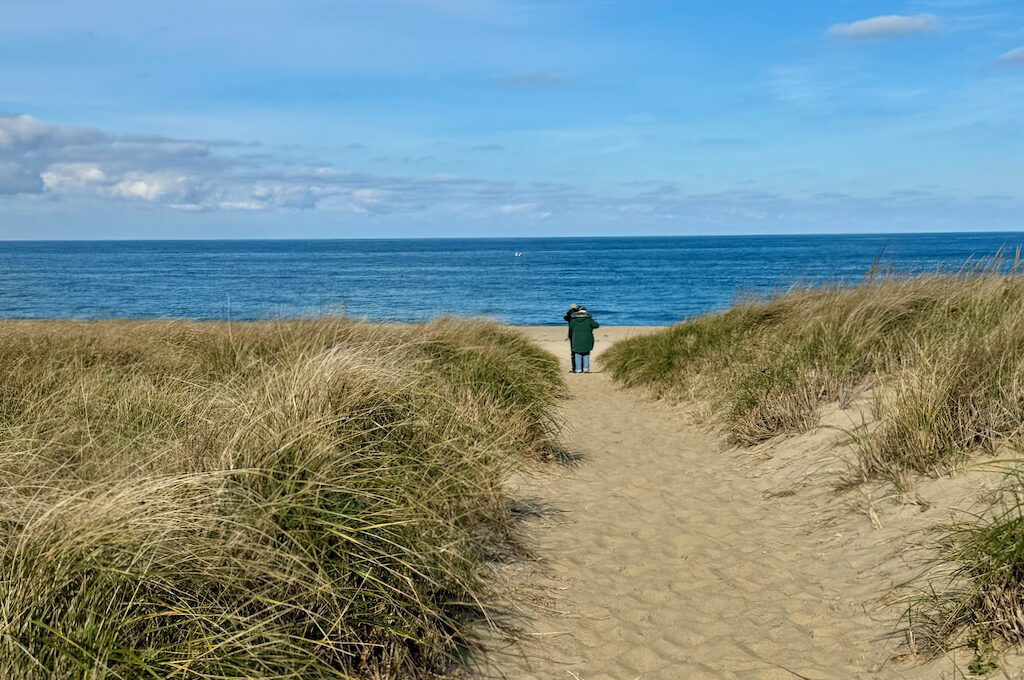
(942, 355)
(296, 499)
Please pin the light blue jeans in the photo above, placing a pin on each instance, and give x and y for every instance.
(581, 362)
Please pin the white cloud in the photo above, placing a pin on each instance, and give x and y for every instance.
(25, 133)
(517, 208)
(240, 205)
(368, 196)
(890, 26)
(72, 162)
(72, 175)
(155, 188)
(1015, 56)
(532, 211)
(41, 157)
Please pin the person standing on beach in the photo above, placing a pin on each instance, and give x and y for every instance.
(581, 339)
(573, 308)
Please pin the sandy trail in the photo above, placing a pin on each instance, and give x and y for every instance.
(668, 561)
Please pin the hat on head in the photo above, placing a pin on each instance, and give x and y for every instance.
(574, 306)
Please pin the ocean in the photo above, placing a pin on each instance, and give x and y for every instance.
(623, 281)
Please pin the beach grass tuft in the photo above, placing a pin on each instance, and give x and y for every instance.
(971, 595)
(294, 499)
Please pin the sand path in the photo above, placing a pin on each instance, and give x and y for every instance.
(667, 562)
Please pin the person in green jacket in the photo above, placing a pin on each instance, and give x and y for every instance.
(581, 339)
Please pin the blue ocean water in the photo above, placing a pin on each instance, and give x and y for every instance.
(643, 281)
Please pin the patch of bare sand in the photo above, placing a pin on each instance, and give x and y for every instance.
(665, 557)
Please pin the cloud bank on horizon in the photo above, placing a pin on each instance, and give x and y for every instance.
(497, 117)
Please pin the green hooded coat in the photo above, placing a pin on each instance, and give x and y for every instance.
(581, 332)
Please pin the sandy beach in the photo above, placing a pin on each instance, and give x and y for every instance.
(663, 556)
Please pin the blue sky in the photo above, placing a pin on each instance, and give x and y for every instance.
(337, 118)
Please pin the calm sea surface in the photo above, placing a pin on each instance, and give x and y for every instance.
(648, 281)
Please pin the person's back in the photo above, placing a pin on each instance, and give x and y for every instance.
(581, 333)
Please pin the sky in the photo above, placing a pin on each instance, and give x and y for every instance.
(432, 118)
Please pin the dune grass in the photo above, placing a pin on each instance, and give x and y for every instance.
(942, 355)
(283, 499)
(973, 593)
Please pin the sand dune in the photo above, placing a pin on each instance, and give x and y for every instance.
(664, 557)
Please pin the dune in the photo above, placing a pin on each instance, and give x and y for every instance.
(662, 556)
(317, 498)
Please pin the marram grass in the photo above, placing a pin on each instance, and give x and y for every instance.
(277, 500)
(973, 594)
(943, 356)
